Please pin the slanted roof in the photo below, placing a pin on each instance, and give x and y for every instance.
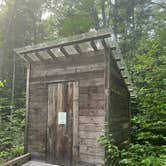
(74, 46)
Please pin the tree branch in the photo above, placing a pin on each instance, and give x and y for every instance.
(103, 12)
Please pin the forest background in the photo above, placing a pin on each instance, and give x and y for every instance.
(139, 26)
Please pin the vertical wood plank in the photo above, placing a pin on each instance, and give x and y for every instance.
(52, 102)
(62, 97)
(69, 126)
(107, 89)
(75, 121)
(27, 108)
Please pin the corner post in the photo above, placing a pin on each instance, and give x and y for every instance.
(27, 108)
(107, 76)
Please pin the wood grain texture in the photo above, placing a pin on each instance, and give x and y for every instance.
(91, 119)
(37, 120)
(62, 97)
(119, 120)
(18, 161)
(27, 109)
(37, 163)
(67, 70)
(75, 149)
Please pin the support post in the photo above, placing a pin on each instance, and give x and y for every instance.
(107, 89)
(27, 109)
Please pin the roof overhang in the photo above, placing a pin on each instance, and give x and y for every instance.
(74, 46)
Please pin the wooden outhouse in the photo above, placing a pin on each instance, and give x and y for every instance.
(78, 89)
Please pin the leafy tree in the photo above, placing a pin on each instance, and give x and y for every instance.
(151, 89)
(149, 128)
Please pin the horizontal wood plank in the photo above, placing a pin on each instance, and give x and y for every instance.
(67, 70)
(68, 77)
(91, 127)
(92, 112)
(91, 119)
(91, 150)
(91, 158)
(90, 134)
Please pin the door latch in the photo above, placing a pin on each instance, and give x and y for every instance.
(77, 147)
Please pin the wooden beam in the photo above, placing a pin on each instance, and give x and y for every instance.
(107, 77)
(27, 108)
(19, 160)
(29, 59)
(78, 49)
(68, 70)
(92, 43)
(39, 56)
(62, 49)
(66, 42)
(77, 59)
(75, 122)
(51, 54)
(104, 43)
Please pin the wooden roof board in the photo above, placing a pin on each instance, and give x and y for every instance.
(80, 44)
(66, 41)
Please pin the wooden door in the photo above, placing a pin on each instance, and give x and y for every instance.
(62, 133)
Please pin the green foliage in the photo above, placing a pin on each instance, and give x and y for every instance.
(22, 24)
(150, 119)
(12, 136)
(79, 20)
(112, 155)
(11, 153)
(134, 155)
(148, 147)
(1, 84)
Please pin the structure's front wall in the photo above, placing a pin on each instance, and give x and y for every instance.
(89, 72)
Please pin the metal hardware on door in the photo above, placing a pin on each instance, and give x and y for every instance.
(77, 147)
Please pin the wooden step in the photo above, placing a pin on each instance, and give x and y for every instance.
(37, 163)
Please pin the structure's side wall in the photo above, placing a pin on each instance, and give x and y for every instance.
(91, 119)
(119, 105)
(37, 119)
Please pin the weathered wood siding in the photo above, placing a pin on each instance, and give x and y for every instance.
(119, 114)
(91, 119)
(89, 72)
(62, 97)
(37, 120)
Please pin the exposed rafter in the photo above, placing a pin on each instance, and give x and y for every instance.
(39, 56)
(65, 53)
(51, 54)
(78, 49)
(68, 48)
(93, 45)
